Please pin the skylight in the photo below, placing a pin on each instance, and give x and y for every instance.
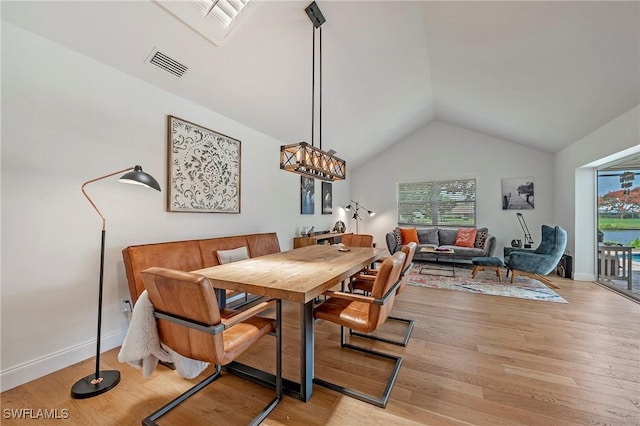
(224, 11)
(213, 19)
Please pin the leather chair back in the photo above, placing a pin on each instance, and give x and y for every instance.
(409, 250)
(388, 274)
(191, 296)
(357, 240)
(188, 296)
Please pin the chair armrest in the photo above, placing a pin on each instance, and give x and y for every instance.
(350, 296)
(367, 299)
(392, 246)
(247, 313)
(489, 245)
(507, 251)
(367, 274)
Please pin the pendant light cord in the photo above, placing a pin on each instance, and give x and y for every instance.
(313, 89)
(313, 83)
(320, 120)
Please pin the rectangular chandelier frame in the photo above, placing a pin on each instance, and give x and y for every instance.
(307, 160)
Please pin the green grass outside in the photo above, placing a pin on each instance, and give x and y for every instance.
(614, 223)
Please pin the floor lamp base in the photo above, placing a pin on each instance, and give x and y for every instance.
(84, 389)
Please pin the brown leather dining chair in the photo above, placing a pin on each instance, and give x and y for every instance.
(365, 314)
(190, 322)
(353, 240)
(364, 280)
(357, 240)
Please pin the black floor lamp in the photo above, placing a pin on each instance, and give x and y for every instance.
(103, 381)
(356, 214)
(528, 241)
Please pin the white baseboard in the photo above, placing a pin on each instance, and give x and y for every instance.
(36, 368)
(583, 277)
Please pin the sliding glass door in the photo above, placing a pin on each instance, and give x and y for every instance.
(619, 226)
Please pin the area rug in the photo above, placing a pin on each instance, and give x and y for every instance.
(486, 282)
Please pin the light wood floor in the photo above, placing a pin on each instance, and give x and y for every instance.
(472, 359)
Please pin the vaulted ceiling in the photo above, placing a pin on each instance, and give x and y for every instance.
(540, 74)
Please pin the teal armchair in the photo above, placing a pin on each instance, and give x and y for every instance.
(541, 261)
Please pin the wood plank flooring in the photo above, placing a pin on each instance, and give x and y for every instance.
(472, 360)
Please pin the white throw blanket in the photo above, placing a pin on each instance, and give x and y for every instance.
(142, 348)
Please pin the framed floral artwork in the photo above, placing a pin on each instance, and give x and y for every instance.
(204, 169)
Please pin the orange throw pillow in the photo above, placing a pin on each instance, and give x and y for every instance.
(466, 237)
(409, 235)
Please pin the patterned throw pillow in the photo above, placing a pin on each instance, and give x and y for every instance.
(397, 236)
(481, 237)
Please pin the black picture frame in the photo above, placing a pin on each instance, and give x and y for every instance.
(307, 195)
(327, 198)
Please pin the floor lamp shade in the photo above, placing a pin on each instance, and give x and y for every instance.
(105, 380)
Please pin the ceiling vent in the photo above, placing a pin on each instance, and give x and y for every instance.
(166, 63)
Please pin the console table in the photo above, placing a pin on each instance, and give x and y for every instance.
(317, 239)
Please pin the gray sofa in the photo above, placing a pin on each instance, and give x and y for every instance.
(445, 238)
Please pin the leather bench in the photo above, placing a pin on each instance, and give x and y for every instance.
(189, 255)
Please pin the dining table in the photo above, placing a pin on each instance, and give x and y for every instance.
(299, 276)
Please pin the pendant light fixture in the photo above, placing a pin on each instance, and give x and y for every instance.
(302, 158)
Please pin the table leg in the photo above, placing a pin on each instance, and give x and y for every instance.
(306, 351)
(302, 390)
(454, 265)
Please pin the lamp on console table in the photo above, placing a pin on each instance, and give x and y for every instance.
(103, 381)
(356, 213)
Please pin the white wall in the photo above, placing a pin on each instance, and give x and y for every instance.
(67, 119)
(575, 195)
(445, 151)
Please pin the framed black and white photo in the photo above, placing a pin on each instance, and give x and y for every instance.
(327, 203)
(204, 169)
(307, 195)
(517, 193)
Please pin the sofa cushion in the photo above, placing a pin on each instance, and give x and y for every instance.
(466, 237)
(233, 255)
(447, 237)
(428, 236)
(481, 237)
(409, 235)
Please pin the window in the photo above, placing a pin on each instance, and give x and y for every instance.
(448, 203)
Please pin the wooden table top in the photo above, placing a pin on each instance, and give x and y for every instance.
(297, 275)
